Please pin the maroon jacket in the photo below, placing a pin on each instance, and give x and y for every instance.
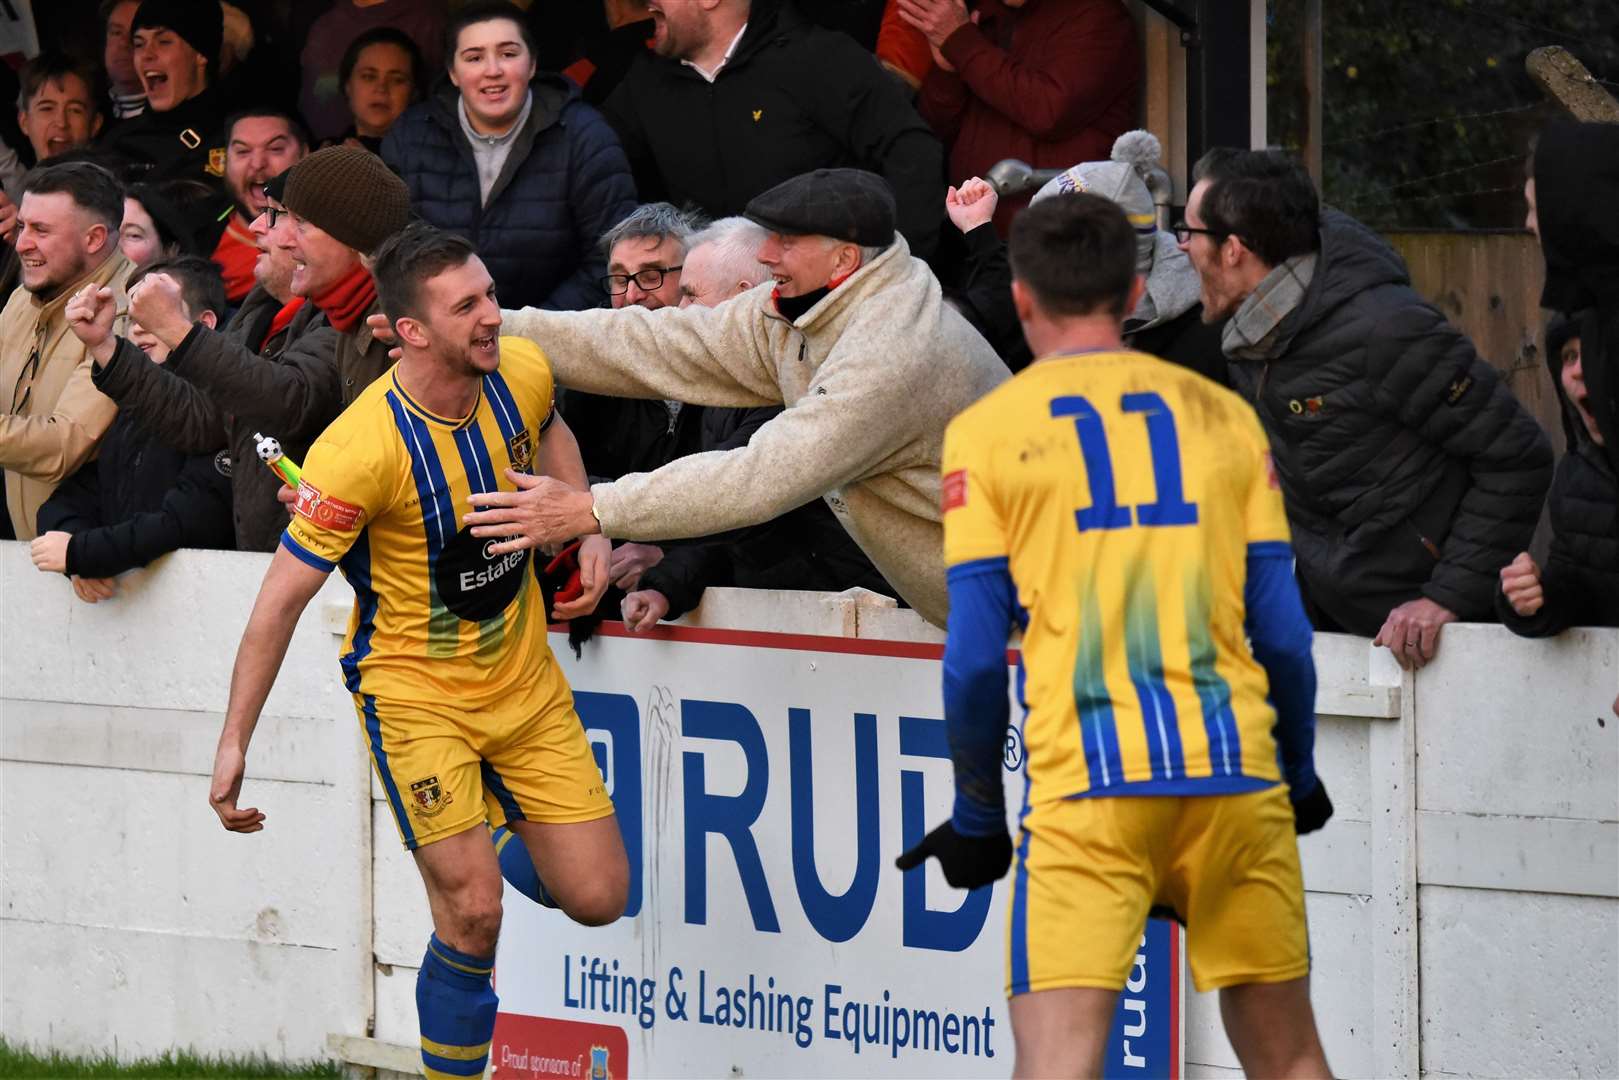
(1052, 83)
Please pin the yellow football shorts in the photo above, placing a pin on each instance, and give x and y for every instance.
(446, 771)
(1088, 871)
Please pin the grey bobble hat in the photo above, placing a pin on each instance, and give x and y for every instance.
(1120, 180)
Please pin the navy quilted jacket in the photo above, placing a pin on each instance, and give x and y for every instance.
(565, 184)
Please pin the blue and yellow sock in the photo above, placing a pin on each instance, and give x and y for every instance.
(517, 867)
(455, 1005)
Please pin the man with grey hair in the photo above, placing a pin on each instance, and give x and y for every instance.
(861, 349)
(619, 435)
(722, 262)
(804, 548)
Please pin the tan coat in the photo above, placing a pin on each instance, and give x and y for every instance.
(54, 417)
(870, 377)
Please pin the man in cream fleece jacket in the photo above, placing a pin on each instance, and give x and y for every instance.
(855, 339)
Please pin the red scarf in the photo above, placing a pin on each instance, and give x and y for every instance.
(283, 319)
(346, 303)
(235, 255)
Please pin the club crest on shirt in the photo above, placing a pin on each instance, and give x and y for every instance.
(521, 449)
(216, 161)
(325, 511)
(428, 799)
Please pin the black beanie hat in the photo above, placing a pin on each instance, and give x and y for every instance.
(349, 194)
(200, 23)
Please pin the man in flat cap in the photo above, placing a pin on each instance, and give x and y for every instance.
(853, 337)
(176, 45)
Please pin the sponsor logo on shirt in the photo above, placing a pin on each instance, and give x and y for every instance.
(953, 493)
(325, 511)
(475, 583)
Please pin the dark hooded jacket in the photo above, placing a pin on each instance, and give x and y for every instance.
(1407, 466)
(1576, 190)
(1580, 581)
(793, 98)
(565, 183)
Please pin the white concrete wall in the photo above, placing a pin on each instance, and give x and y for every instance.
(1464, 902)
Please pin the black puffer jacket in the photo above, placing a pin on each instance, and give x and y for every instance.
(140, 499)
(1580, 581)
(1407, 466)
(565, 183)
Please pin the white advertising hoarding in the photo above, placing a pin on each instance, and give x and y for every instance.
(765, 783)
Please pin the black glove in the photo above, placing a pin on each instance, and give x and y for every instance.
(1312, 811)
(968, 861)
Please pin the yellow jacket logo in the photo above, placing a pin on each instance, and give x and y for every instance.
(756, 114)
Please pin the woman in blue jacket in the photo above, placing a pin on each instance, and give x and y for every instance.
(514, 161)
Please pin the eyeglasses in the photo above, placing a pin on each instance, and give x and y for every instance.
(649, 279)
(1183, 232)
(273, 214)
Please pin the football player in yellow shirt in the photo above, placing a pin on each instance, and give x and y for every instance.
(468, 718)
(1120, 509)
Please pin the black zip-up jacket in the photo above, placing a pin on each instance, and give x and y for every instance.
(186, 142)
(792, 98)
(1407, 466)
(140, 499)
(806, 548)
(564, 184)
(218, 388)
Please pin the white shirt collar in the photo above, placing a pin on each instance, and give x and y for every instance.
(726, 59)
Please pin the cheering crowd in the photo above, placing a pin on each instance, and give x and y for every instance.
(806, 182)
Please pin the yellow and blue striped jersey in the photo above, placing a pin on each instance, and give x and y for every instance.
(437, 619)
(1122, 494)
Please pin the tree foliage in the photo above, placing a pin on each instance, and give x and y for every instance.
(1427, 111)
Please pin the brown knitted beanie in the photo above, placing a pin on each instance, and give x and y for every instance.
(349, 194)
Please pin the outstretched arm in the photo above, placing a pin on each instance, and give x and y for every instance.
(288, 587)
(702, 356)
